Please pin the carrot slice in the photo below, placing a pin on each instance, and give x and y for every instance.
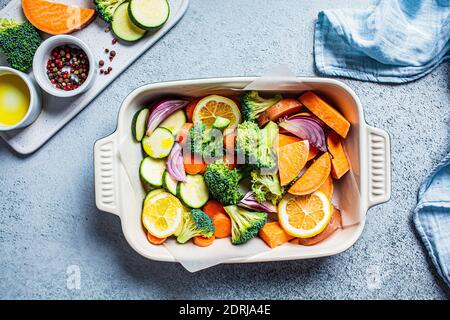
(193, 165)
(203, 242)
(327, 187)
(274, 235)
(313, 177)
(334, 224)
(154, 240)
(182, 136)
(326, 113)
(282, 108)
(56, 18)
(339, 161)
(291, 160)
(190, 109)
(222, 223)
(213, 207)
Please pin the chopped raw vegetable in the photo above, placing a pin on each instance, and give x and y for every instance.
(252, 105)
(274, 235)
(175, 165)
(195, 223)
(339, 161)
(161, 110)
(244, 224)
(159, 144)
(326, 113)
(249, 201)
(266, 187)
(18, 42)
(106, 8)
(306, 128)
(313, 177)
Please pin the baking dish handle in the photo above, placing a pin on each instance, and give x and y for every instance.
(105, 169)
(379, 156)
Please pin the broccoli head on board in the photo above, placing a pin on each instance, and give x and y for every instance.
(106, 8)
(18, 42)
(245, 224)
(252, 105)
(195, 223)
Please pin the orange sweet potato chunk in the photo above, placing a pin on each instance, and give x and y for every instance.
(334, 224)
(327, 187)
(274, 235)
(322, 110)
(339, 161)
(314, 176)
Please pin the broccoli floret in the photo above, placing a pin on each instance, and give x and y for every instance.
(244, 224)
(206, 142)
(19, 42)
(106, 8)
(223, 183)
(195, 223)
(252, 105)
(254, 146)
(266, 187)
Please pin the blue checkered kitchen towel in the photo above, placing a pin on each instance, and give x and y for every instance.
(432, 217)
(392, 41)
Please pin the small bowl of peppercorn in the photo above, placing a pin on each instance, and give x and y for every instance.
(64, 66)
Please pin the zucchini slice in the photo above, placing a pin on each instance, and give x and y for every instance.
(122, 26)
(149, 14)
(194, 192)
(152, 171)
(169, 183)
(159, 144)
(174, 122)
(138, 124)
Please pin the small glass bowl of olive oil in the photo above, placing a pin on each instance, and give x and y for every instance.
(20, 100)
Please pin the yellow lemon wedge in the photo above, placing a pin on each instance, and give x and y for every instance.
(304, 216)
(162, 214)
(211, 107)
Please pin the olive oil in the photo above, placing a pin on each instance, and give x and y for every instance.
(14, 99)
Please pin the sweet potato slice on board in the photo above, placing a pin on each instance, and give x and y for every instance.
(274, 235)
(339, 161)
(56, 18)
(313, 177)
(322, 110)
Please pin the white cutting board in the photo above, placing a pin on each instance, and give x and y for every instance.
(56, 112)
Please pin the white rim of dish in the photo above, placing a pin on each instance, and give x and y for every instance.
(43, 54)
(30, 87)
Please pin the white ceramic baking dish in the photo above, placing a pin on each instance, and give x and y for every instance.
(368, 149)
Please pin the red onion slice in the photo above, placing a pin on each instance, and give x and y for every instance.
(306, 128)
(175, 166)
(249, 202)
(161, 110)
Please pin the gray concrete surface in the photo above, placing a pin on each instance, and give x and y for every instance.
(48, 218)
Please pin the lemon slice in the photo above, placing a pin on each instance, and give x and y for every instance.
(162, 214)
(304, 216)
(212, 107)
